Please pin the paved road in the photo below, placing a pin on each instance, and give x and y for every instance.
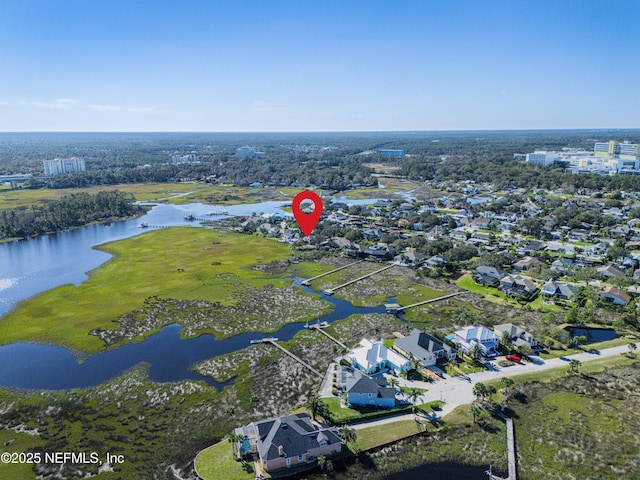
(457, 391)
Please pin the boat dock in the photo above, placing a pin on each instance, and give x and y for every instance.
(319, 329)
(392, 308)
(511, 448)
(308, 281)
(332, 290)
(274, 341)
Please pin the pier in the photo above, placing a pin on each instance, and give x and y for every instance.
(319, 329)
(424, 302)
(274, 341)
(308, 281)
(511, 448)
(332, 290)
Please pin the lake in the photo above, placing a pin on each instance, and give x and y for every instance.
(594, 335)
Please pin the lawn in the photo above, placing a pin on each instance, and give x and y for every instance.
(348, 415)
(371, 437)
(181, 263)
(217, 463)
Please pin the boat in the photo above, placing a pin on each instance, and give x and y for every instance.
(143, 225)
(190, 217)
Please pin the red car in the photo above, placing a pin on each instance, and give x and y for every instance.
(513, 358)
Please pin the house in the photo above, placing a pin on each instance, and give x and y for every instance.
(362, 390)
(481, 335)
(373, 357)
(409, 258)
(610, 271)
(436, 260)
(381, 252)
(615, 296)
(517, 286)
(519, 336)
(526, 263)
(339, 242)
(487, 275)
(561, 290)
(427, 348)
(289, 441)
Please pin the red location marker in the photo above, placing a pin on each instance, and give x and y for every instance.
(307, 221)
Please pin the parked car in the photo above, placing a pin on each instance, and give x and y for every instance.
(535, 359)
(513, 358)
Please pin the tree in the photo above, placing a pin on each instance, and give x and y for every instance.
(234, 439)
(315, 405)
(506, 340)
(632, 349)
(348, 434)
(413, 394)
(480, 390)
(415, 363)
(393, 382)
(230, 410)
(475, 352)
(475, 412)
(507, 383)
(325, 464)
(574, 366)
(579, 340)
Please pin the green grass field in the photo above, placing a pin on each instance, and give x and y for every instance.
(217, 463)
(170, 263)
(13, 442)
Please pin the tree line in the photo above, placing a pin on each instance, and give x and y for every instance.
(70, 211)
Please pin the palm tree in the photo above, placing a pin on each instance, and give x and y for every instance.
(315, 405)
(325, 464)
(475, 352)
(393, 382)
(475, 411)
(347, 434)
(632, 348)
(480, 390)
(230, 410)
(507, 383)
(415, 363)
(574, 365)
(413, 394)
(506, 340)
(234, 439)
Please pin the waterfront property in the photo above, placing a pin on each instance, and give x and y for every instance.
(480, 335)
(362, 390)
(373, 357)
(427, 348)
(285, 442)
(615, 296)
(517, 286)
(565, 291)
(519, 336)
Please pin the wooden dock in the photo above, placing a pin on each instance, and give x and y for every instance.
(332, 290)
(511, 446)
(308, 281)
(444, 297)
(274, 341)
(319, 329)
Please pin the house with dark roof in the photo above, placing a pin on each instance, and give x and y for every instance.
(517, 286)
(485, 275)
(427, 348)
(561, 290)
(519, 336)
(362, 390)
(285, 442)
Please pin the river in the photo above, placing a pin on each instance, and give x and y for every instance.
(35, 265)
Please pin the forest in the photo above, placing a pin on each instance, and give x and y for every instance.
(69, 211)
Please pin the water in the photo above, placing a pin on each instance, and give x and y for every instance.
(48, 367)
(444, 471)
(594, 335)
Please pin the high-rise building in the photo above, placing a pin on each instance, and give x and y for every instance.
(63, 165)
(541, 157)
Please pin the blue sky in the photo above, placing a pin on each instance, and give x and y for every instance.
(321, 65)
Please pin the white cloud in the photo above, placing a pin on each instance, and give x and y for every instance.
(126, 108)
(59, 104)
(261, 106)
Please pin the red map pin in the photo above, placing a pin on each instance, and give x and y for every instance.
(307, 221)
